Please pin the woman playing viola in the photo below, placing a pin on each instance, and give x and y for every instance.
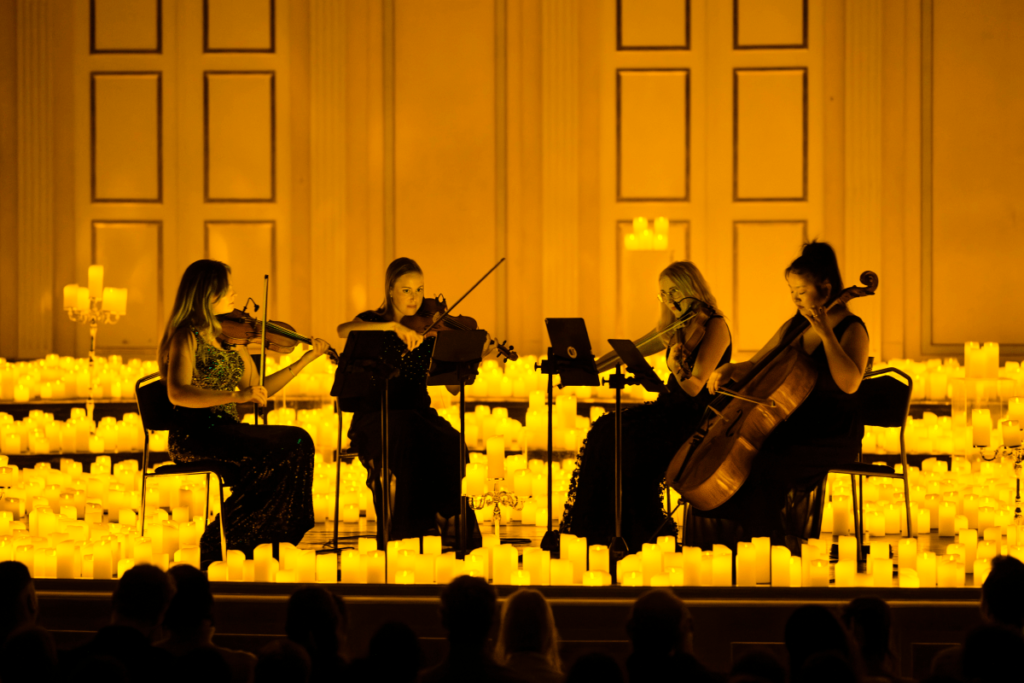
(272, 496)
(782, 497)
(653, 432)
(423, 448)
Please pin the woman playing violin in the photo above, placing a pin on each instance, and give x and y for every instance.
(782, 496)
(272, 497)
(423, 448)
(653, 432)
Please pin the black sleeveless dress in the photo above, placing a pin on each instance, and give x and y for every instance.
(651, 435)
(423, 449)
(783, 496)
(272, 496)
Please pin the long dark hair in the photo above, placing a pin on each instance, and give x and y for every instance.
(817, 262)
(396, 269)
(201, 281)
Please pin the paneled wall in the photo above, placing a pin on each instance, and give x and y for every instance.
(315, 140)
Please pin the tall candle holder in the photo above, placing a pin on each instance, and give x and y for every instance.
(91, 306)
(498, 497)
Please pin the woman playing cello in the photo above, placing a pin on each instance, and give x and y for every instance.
(781, 497)
(423, 448)
(272, 498)
(653, 432)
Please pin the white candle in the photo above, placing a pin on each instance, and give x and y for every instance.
(745, 564)
(926, 569)
(70, 296)
(537, 563)
(881, 573)
(375, 569)
(780, 566)
(326, 567)
(846, 573)
(907, 553)
(947, 515)
(562, 573)
(796, 571)
(574, 550)
(721, 566)
(981, 425)
(818, 574)
(1011, 433)
(763, 559)
(96, 281)
(599, 558)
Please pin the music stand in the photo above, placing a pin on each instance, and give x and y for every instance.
(569, 357)
(644, 375)
(362, 372)
(456, 356)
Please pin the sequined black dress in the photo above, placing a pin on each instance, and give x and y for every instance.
(651, 435)
(782, 497)
(272, 497)
(423, 449)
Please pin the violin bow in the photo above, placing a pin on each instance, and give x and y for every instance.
(468, 292)
(263, 349)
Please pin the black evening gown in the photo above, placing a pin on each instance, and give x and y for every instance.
(272, 497)
(651, 435)
(784, 494)
(423, 449)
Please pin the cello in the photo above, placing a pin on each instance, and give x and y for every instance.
(712, 465)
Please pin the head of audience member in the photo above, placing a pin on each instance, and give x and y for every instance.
(827, 667)
(595, 667)
(18, 603)
(318, 621)
(528, 625)
(190, 614)
(992, 653)
(141, 599)
(394, 653)
(869, 622)
(1002, 595)
(29, 656)
(205, 665)
(660, 624)
(282, 660)
(467, 612)
(758, 665)
(812, 630)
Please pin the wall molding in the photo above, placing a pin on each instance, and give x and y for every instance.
(560, 157)
(35, 179)
(862, 222)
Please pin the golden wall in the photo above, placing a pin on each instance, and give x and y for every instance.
(315, 140)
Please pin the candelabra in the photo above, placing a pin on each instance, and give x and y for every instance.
(93, 305)
(498, 497)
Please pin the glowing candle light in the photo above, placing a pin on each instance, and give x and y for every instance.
(375, 566)
(947, 515)
(818, 574)
(522, 578)
(96, 281)
(496, 457)
(763, 558)
(796, 571)
(236, 562)
(745, 564)
(562, 573)
(780, 566)
(908, 578)
(721, 565)
(537, 563)
(927, 569)
(599, 558)
(846, 573)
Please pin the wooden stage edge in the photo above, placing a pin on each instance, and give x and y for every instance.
(728, 622)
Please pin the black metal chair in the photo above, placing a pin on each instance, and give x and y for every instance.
(884, 397)
(157, 413)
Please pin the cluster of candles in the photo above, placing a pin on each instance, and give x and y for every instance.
(520, 379)
(113, 299)
(41, 434)
(61, 377)
(644, 239)
(946, 435)
(65, 523)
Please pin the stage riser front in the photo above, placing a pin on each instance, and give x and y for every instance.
(728, 622)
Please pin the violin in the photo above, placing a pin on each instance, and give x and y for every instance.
(433, 317)
(240, 328)
(687, 337)
(656, 340)
(712, 465)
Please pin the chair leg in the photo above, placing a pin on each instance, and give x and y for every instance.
(858, 520)
(206, 508)
(142, 513)
(223, 524)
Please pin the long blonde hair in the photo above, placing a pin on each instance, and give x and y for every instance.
(396, 269)
(202, 281)
(528, 625)
(688, 279)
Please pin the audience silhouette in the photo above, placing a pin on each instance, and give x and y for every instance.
(139, 604)
(189, 626)
(528, 637)
(467, 614)
(318, 622)
(162, 627)
(660, 630)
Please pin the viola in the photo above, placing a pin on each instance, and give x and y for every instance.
(656, 340)
(712, 465)
(240, 328)
(433, 317)
(688, 337)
